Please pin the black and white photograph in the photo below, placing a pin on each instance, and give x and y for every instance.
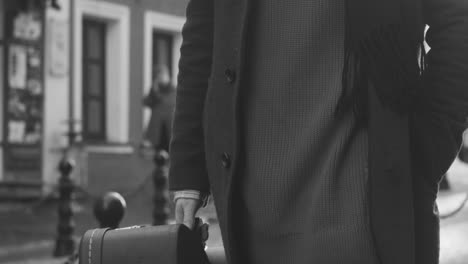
(234, 132)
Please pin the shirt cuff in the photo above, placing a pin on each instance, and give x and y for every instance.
(192, 194)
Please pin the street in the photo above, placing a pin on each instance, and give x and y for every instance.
(454, 230)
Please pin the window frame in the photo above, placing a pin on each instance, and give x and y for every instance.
(117, 17)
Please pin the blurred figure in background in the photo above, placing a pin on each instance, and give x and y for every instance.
(161, 100)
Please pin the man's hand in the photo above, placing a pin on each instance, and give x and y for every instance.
(185, 210)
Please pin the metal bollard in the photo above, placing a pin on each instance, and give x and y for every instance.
(65, 245)
(109, 210)
(161, 192)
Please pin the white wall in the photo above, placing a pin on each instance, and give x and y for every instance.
(56, 90)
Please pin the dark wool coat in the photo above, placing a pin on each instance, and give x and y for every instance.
(408, 151)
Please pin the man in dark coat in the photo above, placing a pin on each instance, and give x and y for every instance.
(161, 100)
(321, 128)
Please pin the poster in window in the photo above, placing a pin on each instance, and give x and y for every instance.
(35, 110)
(27, 26)
(16, 105)
(16, 131)
(17, 67)
(34, 87)
(32, 133)
(34, 67)
(34, 58)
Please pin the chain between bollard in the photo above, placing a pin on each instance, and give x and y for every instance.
(161, 193)
(54, 189)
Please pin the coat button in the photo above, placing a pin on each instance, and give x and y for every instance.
(230, 75)
(226, 160)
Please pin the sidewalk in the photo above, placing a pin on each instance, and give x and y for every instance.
(32, 253)
(454, 230)
(19, 229)
(39, 261)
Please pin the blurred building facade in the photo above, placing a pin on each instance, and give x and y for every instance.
(80, 67)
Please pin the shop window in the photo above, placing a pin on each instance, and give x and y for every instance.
(22, 88)
(94, 80)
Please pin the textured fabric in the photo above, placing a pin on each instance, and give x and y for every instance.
(304, 183)
(206, 122)
(192, 194)
(189, 194)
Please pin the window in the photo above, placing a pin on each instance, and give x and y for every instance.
(94, 80)
(111, 24)
(162, 42)
(22, 88)
(162, 51)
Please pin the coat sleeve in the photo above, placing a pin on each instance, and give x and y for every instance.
(187, 153)
(442, 102)
(445, 81)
